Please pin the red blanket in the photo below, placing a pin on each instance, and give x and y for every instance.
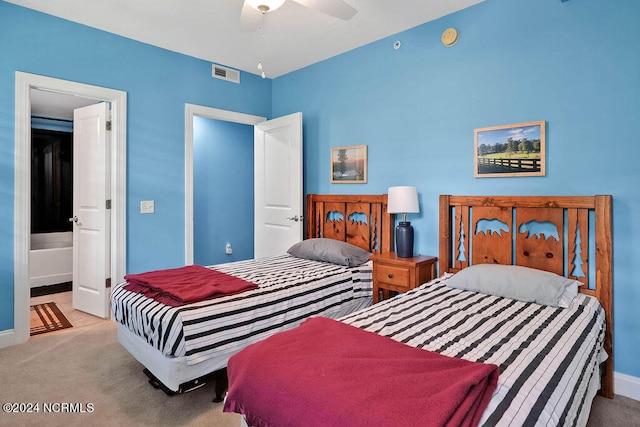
(328, 373)
(185, 285)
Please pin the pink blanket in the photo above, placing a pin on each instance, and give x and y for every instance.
(185, 285)
(328, 373)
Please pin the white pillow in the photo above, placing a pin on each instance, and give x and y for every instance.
(515, 282)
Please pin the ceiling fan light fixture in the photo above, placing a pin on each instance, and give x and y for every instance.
(264, 6)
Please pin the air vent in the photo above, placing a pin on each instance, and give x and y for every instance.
(224, 73)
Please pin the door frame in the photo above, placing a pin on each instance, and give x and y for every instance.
(190, 111)
(22, 185)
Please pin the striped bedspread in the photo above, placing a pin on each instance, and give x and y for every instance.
(547, 356)
(291, 290)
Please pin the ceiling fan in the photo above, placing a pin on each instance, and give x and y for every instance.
(253, 10)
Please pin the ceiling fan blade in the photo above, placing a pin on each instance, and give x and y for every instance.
(337, 8)
(249, 18)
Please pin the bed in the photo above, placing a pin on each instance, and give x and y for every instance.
(552, 348)
(182, 347)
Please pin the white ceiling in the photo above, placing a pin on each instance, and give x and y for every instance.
(57, 105)
(292, 37)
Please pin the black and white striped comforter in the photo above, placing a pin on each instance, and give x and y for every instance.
(291, 289)
(547, 356)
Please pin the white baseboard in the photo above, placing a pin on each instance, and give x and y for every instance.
(626, 385)
(7, 338)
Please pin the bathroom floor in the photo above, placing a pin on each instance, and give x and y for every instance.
(64, 301)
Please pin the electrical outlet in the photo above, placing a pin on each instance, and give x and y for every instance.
(228, 249)
(147, 207)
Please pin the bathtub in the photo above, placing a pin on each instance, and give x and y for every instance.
(51, 258)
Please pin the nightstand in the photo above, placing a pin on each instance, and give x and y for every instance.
(393, 274)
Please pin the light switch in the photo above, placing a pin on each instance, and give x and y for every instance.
(147, 206)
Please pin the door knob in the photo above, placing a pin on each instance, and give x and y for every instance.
(74, 219)
(295, 218)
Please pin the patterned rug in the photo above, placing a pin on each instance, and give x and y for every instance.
(47, 317)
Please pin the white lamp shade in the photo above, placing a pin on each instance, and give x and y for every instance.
(403, 199)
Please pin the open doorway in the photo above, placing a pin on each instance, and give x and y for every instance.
(223, 188)
(278, 179)
(192, 111)
(25, 83)
(51, 242)
(278, 186)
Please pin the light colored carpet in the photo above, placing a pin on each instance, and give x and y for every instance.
(88, 365)
(617, 412)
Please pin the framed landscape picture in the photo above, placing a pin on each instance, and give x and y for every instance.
(510, 150)
(349, 165)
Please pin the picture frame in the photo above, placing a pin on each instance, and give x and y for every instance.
(349, 165)
(510, 150)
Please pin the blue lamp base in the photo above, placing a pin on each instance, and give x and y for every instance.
(404, 239)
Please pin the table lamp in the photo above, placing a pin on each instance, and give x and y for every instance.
(404, 200)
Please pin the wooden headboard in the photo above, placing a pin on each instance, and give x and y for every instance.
(361, 220)
(548, 233)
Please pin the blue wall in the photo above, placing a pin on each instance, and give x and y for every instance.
(573, 64)
(158, 84)
(60, 125)
(222, 190)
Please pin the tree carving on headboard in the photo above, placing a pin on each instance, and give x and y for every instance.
(461, 249)
(374, 238)
(577, 259)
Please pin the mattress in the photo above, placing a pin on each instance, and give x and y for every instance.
(548, 357)
(175, 372)
(290, 290)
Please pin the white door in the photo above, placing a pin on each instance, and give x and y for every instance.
(278, 185)
(91, 262)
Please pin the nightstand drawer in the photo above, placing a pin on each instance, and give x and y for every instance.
(397, 276)
(392, 274)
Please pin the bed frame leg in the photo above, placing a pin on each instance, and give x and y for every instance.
(222, 383)
(219, 376)
(155, 383)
